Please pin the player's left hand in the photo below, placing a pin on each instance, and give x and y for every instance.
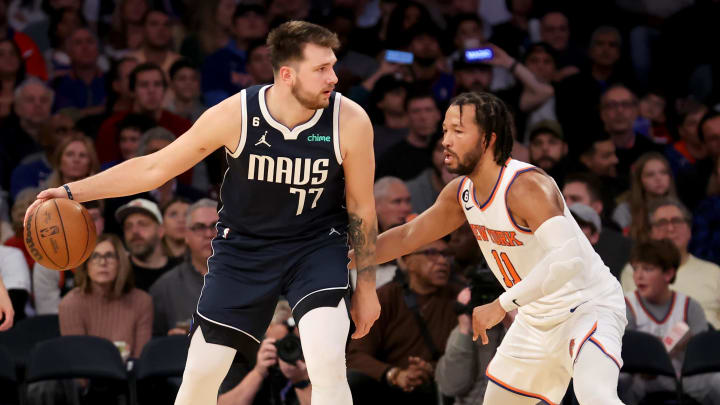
(365, 310)
(485, 317)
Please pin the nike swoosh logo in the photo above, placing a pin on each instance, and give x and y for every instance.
(515, 302)
(573, 309)
(468, 208)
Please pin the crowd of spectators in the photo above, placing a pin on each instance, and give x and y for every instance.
(617, 101)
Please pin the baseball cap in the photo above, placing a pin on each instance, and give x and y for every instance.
(547, 126)
(139, 205)
(586, 214)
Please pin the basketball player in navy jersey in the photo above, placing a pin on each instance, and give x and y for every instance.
(299, 185)
(571, 310)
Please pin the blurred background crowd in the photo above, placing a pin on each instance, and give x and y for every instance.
(616, 100)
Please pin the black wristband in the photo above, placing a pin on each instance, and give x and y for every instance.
(301, 384)
(67, 190)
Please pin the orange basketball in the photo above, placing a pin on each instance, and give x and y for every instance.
(60, 234)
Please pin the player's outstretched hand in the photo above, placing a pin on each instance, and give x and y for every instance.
(365, 310)
(6, 309)
(57, 192)
(485, 317)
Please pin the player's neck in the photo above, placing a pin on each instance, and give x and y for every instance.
(285, 108)
(485, 176)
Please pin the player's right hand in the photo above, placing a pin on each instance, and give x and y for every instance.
(266, 357)
(365, 310)
(57, 192)
(6, 310)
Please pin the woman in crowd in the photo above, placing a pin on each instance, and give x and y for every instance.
(74, 159)
(126, 31)
(174, 223)
(105, 302)
(12, 73)
(651, 178)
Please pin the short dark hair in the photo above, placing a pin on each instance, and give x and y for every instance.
(253, 45)
(181, 63)
(661, 253)
(415, 93)
(140, 122)
(243, 9)
(287, 41)
(591, 182)
(491, 116)
(145, 67)
(457, 21)
(595, 137)
(710, 115)
(98, 204)
(541, 47)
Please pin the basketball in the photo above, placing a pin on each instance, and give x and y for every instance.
(60, 234)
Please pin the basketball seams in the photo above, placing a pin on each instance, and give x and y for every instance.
(62, 225)
(87, 238)
(37, 235)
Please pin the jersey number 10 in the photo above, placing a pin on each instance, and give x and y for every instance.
(508, 267)
(301, 197)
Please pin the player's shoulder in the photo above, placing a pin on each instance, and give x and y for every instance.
(529, 182)
(351, 112)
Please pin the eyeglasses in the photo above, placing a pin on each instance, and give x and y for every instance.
(434, 254)
(98, 258)
(200, 228)
(675, 221)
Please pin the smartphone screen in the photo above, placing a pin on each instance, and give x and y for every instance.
(401, 57)
(479, 54)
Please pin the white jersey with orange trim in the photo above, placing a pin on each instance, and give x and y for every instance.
(647, 323)
(512, 251)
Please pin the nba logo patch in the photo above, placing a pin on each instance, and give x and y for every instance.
(572, 346)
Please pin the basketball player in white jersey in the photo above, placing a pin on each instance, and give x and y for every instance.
(571, 310)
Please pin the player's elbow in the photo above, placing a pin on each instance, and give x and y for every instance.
(153, 172)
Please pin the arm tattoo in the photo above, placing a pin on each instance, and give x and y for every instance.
(363, 236)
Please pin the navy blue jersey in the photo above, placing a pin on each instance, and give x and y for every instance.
(282, 183)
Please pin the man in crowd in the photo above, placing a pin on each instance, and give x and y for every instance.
(425, 188)
(392, 364)
(21, 131)
(407, 158)
(176, 292)
(392, 205)
(693, 181)
(598, 157)
(141, 222)
(548, 149)
(224, 72)
(157, 42)
(697, 278)
(185, 86)
(555, 31)
(619, 111)
(84, 87)
(148, 84)
(387, 111)
(611, 245)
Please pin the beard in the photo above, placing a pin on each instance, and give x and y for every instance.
(142, 249)
(467, 164)
(307, 99)
(546, 162)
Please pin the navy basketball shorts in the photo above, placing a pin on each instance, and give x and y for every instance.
(247, 276)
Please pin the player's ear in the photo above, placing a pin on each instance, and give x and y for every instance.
(286, 74)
